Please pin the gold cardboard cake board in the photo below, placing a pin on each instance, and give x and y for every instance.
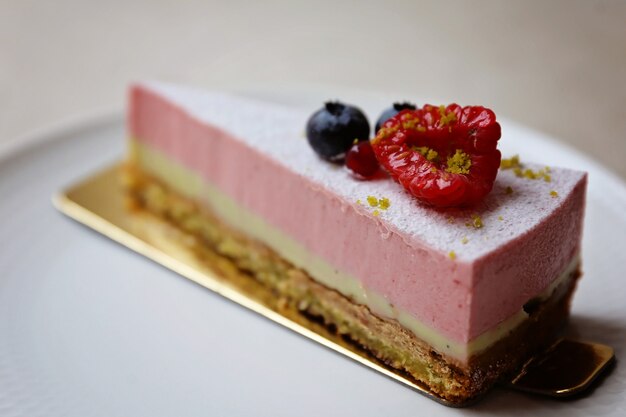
(99, 202)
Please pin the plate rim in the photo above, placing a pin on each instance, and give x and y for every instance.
(50, 132)
(43, 139)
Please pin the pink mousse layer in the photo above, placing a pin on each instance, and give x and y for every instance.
(459, 298)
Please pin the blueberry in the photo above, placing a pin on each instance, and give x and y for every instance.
(331, 130)
(392, 111)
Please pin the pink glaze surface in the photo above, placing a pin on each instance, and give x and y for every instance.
(247, 150)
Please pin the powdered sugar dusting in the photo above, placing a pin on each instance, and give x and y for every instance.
(278, 132)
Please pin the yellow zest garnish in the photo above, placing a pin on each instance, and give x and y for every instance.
(359, 202)
(446, 118)
(530, 174)
(512, 162)
(500, 218)
(464, 240)
(382, 203)
(452, 255)
(410, 124)
(554, 194)
(426, 152)
(384, 133)
(535, 175)
(431, 155)
(477, 222)
(459, 163)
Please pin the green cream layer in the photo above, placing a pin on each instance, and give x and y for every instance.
(191, 185)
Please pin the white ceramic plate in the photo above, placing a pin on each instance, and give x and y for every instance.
(89, 328)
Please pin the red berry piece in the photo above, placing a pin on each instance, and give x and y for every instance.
(444, 156)
(361, 159)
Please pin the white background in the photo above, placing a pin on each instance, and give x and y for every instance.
(557, 66)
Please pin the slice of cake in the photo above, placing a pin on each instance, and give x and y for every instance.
(453, 298)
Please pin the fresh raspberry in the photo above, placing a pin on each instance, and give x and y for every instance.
(444, 156)
(361, 159)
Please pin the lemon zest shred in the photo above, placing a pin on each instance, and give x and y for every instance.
(530, 174)
(459, 163)
(446, 118)
(428, 153)
(510, 163)
(477, 222)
